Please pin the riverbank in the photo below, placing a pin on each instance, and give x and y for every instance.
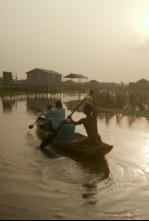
(13, 91)
(10, 91)
(71, 105)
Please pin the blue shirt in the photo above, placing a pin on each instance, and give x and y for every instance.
(56, 115)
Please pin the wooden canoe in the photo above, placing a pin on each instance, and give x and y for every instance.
(100, 150)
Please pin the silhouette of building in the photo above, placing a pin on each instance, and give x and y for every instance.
(77, 81)
(42, 77)
(7, 77)
(76, 78)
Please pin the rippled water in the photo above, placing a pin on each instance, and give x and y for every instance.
(61, 185)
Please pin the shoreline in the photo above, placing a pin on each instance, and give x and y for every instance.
(15, 92)
(71, 105)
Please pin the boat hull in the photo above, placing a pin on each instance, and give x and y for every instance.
(101, 150)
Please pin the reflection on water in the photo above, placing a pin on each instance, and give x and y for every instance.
(59, 185)
(97, 165)
(96, 171)
(40, 100)
(8, 103)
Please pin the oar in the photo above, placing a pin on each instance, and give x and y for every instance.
(31, 126)
(34, 108)
(92, 95)
(50, 138)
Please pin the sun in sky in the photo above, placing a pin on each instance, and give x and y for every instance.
(146, 22)
(139, 19)
(143, 23)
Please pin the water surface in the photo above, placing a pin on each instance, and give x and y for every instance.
(63, 185)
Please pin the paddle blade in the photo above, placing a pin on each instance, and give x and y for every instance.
(31, 127)
(47, 141)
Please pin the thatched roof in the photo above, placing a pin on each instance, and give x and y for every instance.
(75, 76)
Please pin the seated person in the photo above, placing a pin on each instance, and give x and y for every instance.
(49, 107)
(90, 124)
(45, 112)
(55, 116)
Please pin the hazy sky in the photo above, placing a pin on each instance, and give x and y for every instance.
(105, 40)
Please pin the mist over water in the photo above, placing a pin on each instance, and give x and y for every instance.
(64, 185)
